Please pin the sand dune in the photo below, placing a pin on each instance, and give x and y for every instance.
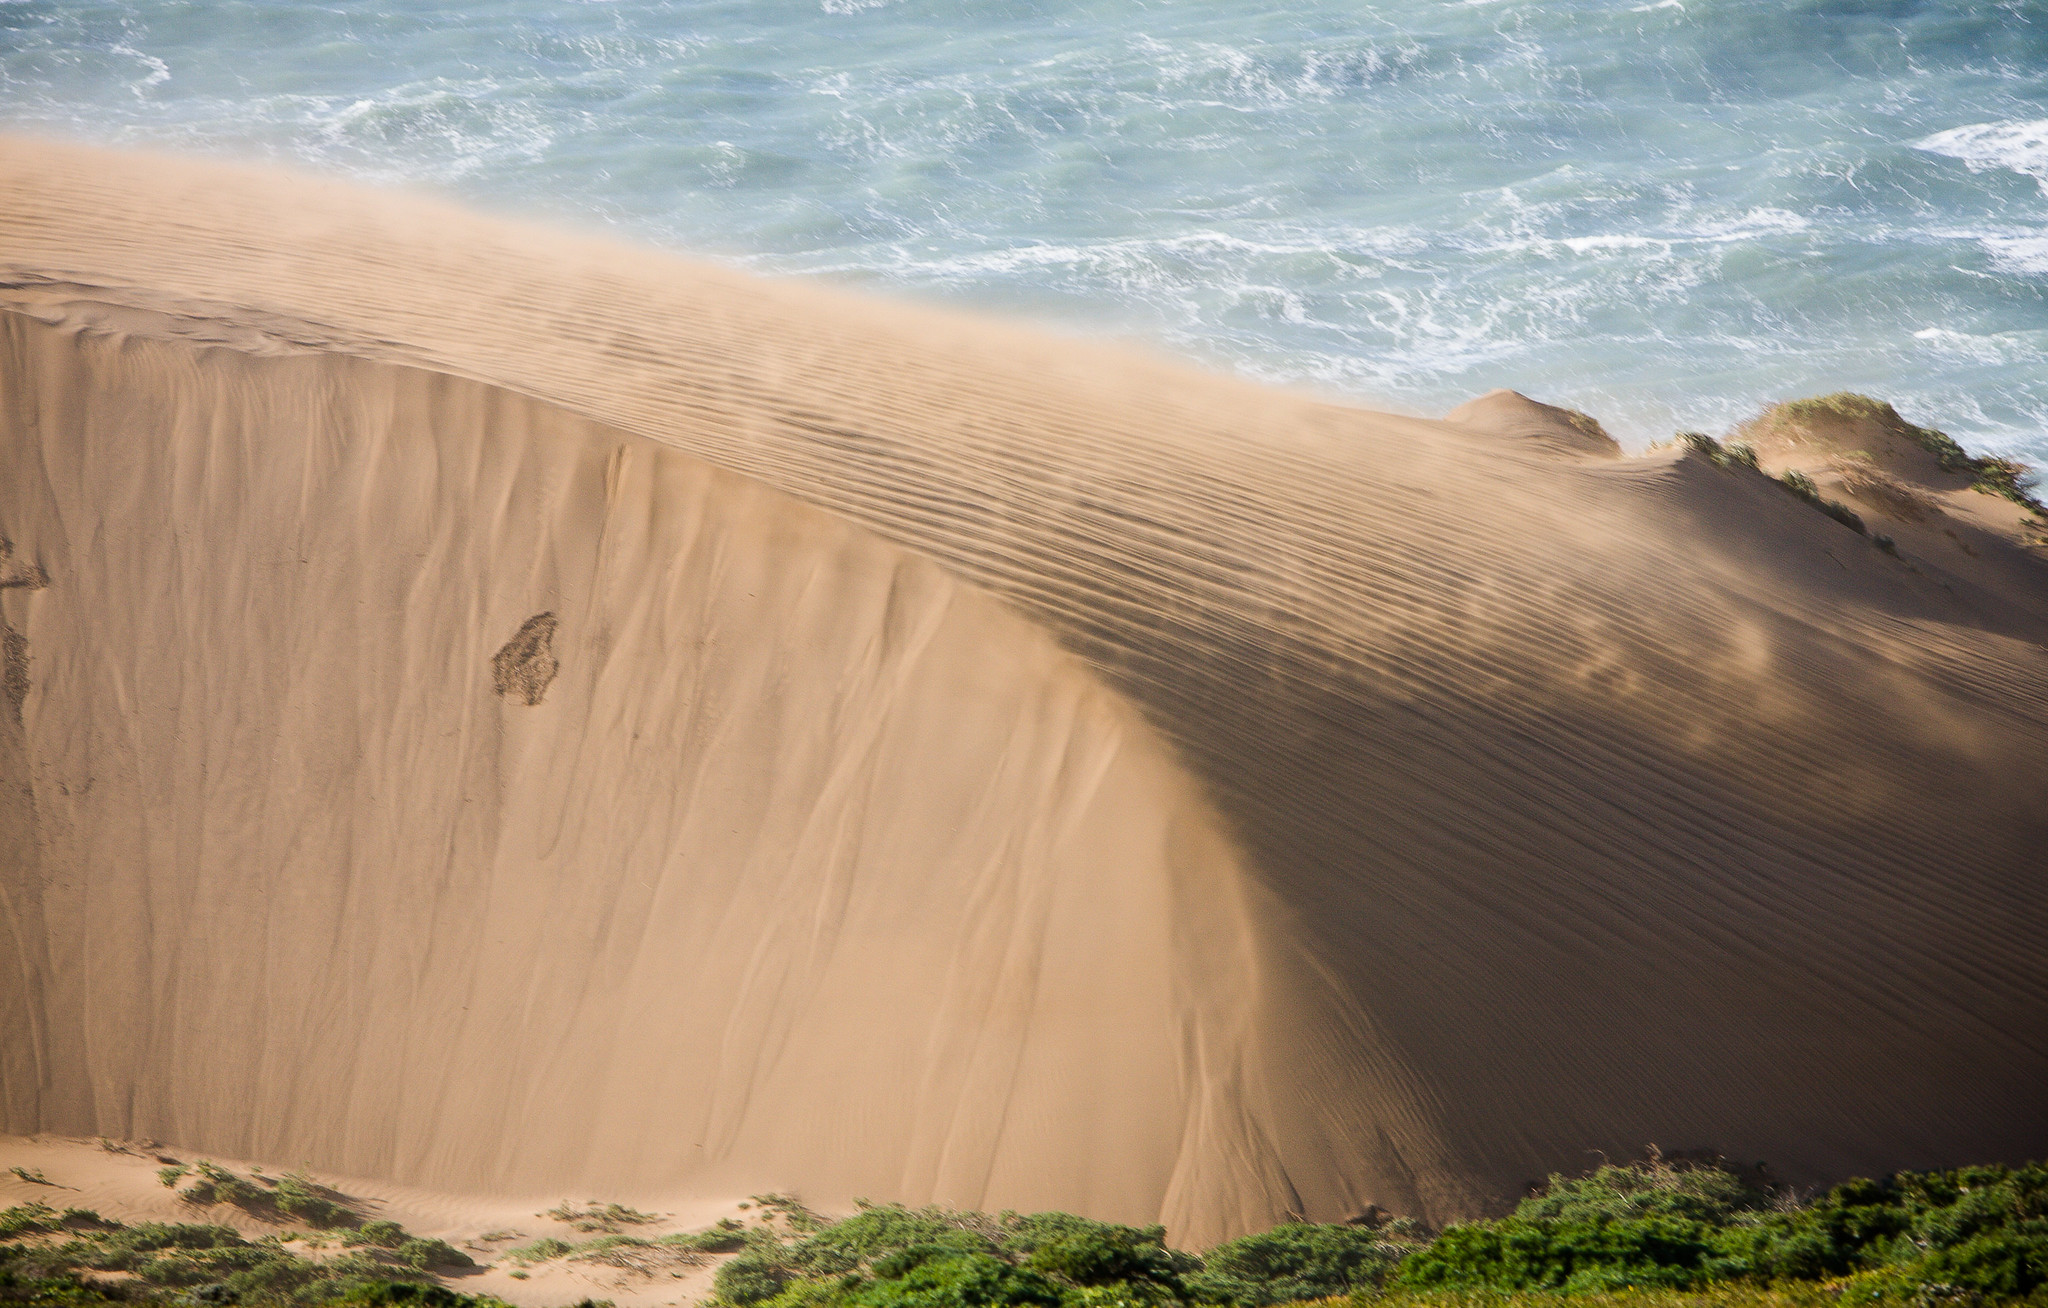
(496, 710)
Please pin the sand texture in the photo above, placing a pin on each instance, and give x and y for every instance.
(493, 710)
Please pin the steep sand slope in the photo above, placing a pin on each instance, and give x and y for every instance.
(1134, 791)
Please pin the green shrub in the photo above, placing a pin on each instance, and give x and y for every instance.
(1302, 1261)
(425, 1255)
(390, 1294)
(217, 1185)
(540, 1250)
(1657, 1187)
(1801, 485)
(755, 1276)
(27, 1219)
(594, 1216)
(381, 1233)
(183, 1264)
(1702, 444)
(726, 1237)
(2006, 477)
(296, 1195)
(879, 1230)
(1733, 455)
(1077, 1251)
(171, 1175)
(1972, 1233)
(51, 1291)
(1841, 405)
(930, 1276)
(1576, 1255)
(129, 1247)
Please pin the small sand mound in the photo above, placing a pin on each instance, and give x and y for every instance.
(1853, 431)
(1514, 416)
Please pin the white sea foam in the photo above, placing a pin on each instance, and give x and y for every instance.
(1993, 348)
(2025, 256)
(1756, 222)
(2014, 146)
(159, 71)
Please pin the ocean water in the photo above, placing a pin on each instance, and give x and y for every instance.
(1667, 213)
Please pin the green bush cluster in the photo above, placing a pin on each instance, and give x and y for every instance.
(293, 1197)
(726, 1237)
(889, 1256)
(217, 1185)
(633, 1252)
(405, 1249)
(1977, 1233)
(298, 1197)
(47, 1257)
(594, 1216)
(1735, 454)
(540, 1251)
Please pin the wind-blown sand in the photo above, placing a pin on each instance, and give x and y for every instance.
(493, 710)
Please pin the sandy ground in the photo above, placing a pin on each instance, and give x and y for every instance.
(118, 1179)
(500, 712)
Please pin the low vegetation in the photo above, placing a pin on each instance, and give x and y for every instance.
(293, 1197)
(1735, 454)
(78, 1259)
(594, 1216)
(1988, 473)
(1978, 1234)
(888, 1255)
(1660, 1233)
(629, 1252)
(1693, 1232)
(1798, 484)
(1795, 483)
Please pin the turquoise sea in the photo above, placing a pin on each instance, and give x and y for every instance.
(1665, 212)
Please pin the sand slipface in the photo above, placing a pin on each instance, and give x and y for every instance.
(500, 711)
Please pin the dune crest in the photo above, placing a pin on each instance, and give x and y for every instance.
(1515, 416)
(974, 766)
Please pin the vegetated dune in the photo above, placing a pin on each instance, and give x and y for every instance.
(496, 710)
(126, 1182)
